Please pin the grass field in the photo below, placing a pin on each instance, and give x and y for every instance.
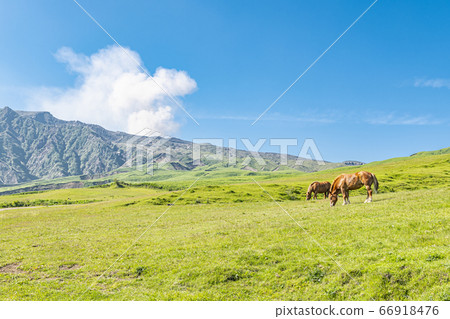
(226, 239)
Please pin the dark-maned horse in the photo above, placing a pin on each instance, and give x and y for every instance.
(345, 182)
(318, 188)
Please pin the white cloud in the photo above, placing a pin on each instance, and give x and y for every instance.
(433, 83)
(113, 92)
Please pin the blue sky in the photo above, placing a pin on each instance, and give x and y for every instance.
(382, 91)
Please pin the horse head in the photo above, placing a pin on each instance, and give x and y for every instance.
(308, 195)
(333, 198)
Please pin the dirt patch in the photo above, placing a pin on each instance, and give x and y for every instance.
(11, 269)
(69, 267)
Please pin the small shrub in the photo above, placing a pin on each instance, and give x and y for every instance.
(140, 271)
(118, 183)
(434, 257)
(316, 275)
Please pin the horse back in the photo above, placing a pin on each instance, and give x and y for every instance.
(324, 186)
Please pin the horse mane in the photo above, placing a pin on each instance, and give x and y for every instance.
(333, 185)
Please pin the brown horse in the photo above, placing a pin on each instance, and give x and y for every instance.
(345, 182)
(318, 188)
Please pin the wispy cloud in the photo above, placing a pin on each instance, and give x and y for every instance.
(394, 119)
(275, 117)
(111, 91)
(433, 83)
(224, 117)
(379, 119)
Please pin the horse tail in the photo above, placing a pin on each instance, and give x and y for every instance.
(375, 183)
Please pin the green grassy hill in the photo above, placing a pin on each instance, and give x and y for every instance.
(437, 152)
(226, 239)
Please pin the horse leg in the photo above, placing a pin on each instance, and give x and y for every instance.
(344, 196)
(315, 195)
(325, 195)
(348, 197)
(369, 194)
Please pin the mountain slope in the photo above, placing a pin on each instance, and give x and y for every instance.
(36, 145)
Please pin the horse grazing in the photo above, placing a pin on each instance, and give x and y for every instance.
(345, 182)
(318, 188)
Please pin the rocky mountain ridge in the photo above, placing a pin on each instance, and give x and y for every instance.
(36, 145)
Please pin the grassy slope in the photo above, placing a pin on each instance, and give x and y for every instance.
(179, 178)
(217, 174)
(399, 174)
(230, 241)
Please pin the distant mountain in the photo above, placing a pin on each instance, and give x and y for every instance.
(353, 163)
(36, 145)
